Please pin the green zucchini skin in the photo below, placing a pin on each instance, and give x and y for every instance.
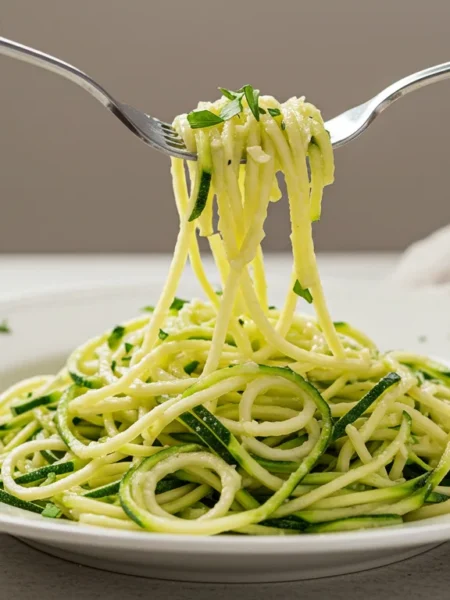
(43, 472)
(291, 522)
(202, 195)
(355, 523)
(376, 392)
(49, 399)
(49, 456)
(86, 382)
(132, 509)
(18, 503)
(17, 422)
(207, 434)
(431, 369)
(219, 439)
(110, 489)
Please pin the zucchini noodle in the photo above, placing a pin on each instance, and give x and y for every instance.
(226, 414)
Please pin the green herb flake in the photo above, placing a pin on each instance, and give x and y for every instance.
(283, 125)
(4, 327)
(230, 94)
(128, 347)
(219, 293)
(126, 359)
(262, 111)
(148, 308)
(163, 334)
(115, 337)
(199, 119)
(178, 303)
(274, 112)
(87, 382)
(113, 366)
(272, 307)
(190, 367)
(252, 97)
(241, 321)
(231, 109)
(302, 292)
(51, 511)
(229, 162)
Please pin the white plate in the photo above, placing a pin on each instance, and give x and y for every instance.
(47, 327)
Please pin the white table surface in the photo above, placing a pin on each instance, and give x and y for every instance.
(22, 273)
(27, 574)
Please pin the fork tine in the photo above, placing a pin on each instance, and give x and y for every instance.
(175, 144)
(164, 125)
(157, 133)
(165, 129)
(172, 134)
(164, 134)
(173, 139)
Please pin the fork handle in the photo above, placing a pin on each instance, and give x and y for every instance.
(411, 83)
(55, 65)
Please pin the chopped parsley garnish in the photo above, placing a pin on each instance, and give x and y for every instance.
(178, 303)
(252, 97)
(274, 112)
(113, 366)
(4, 327)
(199, 119)
(115, 337)
(128, 347)
(262, 111)
(126, 359)
(190, 367)
(302, 292)
(283, 125)
(229, 161)
(272, 307)
(148, 308)
(241, 321)
(231, 109)
(230, 94)
(219, 293)
(163, 334)
(51, 511)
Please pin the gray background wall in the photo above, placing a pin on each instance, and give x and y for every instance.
(74, 179)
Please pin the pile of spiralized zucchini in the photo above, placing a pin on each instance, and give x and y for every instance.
(252, 448)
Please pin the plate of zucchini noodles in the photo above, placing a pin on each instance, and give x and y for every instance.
(230, 429)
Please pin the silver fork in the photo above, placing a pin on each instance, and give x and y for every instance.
(161, 136)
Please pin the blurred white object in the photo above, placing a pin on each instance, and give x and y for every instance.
(426, 262)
